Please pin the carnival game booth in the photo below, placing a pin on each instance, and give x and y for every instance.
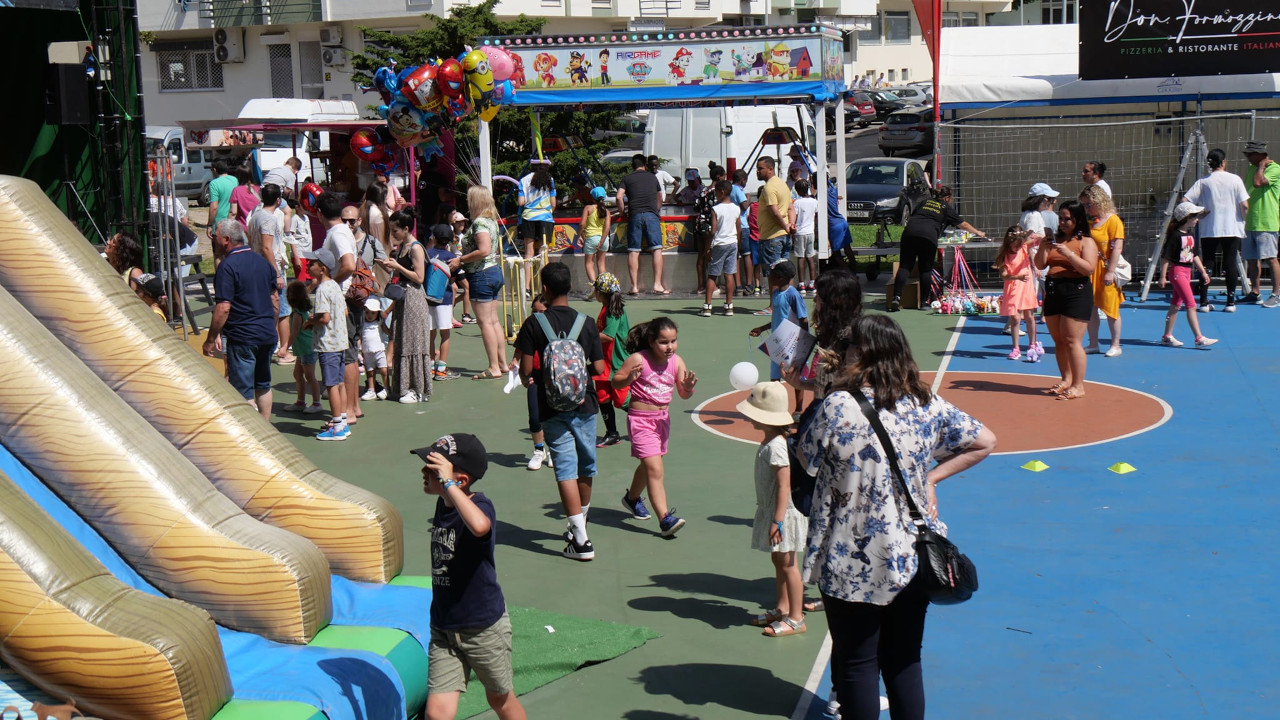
(1001, 133)
(797, 65)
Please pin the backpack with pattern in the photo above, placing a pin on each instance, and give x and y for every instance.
(564, 365)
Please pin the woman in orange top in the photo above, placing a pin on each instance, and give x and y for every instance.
(1070, 257)
(1108, 234)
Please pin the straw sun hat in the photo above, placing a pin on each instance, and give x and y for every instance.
(767, 404)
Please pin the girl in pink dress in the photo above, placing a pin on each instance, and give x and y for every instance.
(1019, 300)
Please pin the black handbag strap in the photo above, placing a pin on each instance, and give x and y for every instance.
(886, 444)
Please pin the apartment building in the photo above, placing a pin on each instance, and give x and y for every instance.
(204, 59)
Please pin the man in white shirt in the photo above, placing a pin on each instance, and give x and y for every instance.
(1224, 194)
(285, 177)
(666, 180)
(1092, 173)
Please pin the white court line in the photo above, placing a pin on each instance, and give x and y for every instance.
(697, 419)
(815, 676)
(946, 355)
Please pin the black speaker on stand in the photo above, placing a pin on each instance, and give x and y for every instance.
(67, 95)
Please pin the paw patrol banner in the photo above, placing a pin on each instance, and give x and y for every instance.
(724, 65)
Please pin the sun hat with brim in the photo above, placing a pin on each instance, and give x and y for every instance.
(1255, 146)
(767, 404)
(1187, 209)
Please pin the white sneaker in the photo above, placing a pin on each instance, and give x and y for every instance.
(535, 461)
(1272, 300)
(1229, 308)
(1205, 341)
(1171, 341)
(1113, 352)
(409, 398)
(382, 394)
(1205, 308)
(369, 394)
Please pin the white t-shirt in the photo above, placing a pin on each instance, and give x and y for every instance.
(667, 182)
(1105, 187)
(339, 241)
(264, 222)
(1033, 222)
(371, 335)
(726, 224)
(1221, 194)
(806, 212)
(333, 336)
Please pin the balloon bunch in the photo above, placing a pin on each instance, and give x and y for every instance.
(422, 100)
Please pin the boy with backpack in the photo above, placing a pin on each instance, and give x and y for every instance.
(568, 346)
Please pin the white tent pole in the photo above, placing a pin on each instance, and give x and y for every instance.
(820, 173)
(486, 155)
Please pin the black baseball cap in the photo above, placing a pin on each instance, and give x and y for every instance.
(465, 451)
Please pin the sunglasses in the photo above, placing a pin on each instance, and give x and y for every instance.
(351, 221)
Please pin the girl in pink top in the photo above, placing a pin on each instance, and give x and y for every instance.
(245, 198)
(653, 372)
(1019, 303)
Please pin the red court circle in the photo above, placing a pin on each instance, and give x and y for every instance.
(1017, 408)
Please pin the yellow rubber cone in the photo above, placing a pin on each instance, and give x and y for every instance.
(1121, 468)
(1035, 466)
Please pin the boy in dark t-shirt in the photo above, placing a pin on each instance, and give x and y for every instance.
(470, 629)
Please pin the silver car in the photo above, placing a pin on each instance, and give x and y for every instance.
(907, 130)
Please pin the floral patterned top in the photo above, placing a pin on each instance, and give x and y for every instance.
(861, 544)
(469, 245)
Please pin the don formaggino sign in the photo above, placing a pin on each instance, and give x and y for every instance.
(1162, 38)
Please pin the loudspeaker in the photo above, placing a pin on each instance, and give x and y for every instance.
(67, 95)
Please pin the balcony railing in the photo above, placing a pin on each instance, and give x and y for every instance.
(659, 8)
(242, 13)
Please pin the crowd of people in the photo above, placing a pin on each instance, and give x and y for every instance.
(375, 293)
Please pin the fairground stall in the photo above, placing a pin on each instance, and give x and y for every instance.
(691, 69)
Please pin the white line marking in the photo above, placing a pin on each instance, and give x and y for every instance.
(815, 676)
(697, 418)
(946, 355)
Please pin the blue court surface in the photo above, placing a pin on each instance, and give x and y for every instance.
(1144, 595)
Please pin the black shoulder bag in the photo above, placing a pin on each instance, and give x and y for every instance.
(949, 576)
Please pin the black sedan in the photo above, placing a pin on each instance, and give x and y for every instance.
(884, 189)
(886, 103)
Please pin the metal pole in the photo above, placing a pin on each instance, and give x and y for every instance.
(820, 172)
(1196, 140)
(486, 155)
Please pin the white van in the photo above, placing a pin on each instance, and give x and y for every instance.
(693, 137)
(190, 173)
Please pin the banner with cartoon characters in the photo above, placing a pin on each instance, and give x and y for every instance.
(723, 64)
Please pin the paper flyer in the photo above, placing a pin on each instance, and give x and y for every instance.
(790, 344)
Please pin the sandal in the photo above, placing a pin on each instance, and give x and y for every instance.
(1070, 394)
(814, 606)
(1057, 389)
(785, 626)
(486, 375)
(765, 619)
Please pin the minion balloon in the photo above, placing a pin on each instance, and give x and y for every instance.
(479, 79)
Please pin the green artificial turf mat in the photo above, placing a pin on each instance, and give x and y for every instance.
(540, 656)
(263, 710)
(405, 654)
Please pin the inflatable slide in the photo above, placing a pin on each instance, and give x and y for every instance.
(163, 552)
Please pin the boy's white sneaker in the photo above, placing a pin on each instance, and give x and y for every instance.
(369, 394)
(535, 461)
(409, 398)
(382, 394)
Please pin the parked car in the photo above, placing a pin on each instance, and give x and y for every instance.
(907, 130)
(913, 95)
(885, 103)
(856, 113)
(884, 189)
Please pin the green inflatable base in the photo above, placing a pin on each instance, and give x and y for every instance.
(405, 654)
(263, 710)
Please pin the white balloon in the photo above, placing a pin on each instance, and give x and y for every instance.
(744, 376)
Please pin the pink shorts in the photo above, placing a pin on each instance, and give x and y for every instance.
(1180, 278)
(649, 432)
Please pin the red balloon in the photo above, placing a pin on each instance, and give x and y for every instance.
(449, 78)
(366, 146)
(308, 198)
(419, 86)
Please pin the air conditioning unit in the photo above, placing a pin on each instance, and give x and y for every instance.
(228, 45)
(334, 57)
(331, 36)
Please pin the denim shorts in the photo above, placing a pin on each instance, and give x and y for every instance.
(331, 368)
(310, 358)
(591, 244)
(723, 261)
(1258, 245)
(571, 438)
(249, 367)
(285, 310)
(770, 253)
(644, 225)
(486, 284)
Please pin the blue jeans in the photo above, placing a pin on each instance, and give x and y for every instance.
(249, 367)
(643, 225)
(571, 438)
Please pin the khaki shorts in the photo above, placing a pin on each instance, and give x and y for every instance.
(453, 654)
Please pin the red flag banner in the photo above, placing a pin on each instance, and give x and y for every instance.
(928, 29)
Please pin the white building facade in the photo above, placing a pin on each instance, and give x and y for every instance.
(203, 59)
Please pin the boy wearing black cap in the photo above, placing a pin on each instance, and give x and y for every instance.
(470, 629)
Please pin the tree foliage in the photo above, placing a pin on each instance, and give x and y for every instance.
(513, 144)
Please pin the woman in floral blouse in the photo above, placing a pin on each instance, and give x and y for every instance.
(861, 548)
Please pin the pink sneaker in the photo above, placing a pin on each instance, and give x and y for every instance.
(1015, 354)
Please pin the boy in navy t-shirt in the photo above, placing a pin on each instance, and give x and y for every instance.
(470, 629)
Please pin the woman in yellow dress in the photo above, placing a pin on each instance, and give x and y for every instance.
(1108, 234)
